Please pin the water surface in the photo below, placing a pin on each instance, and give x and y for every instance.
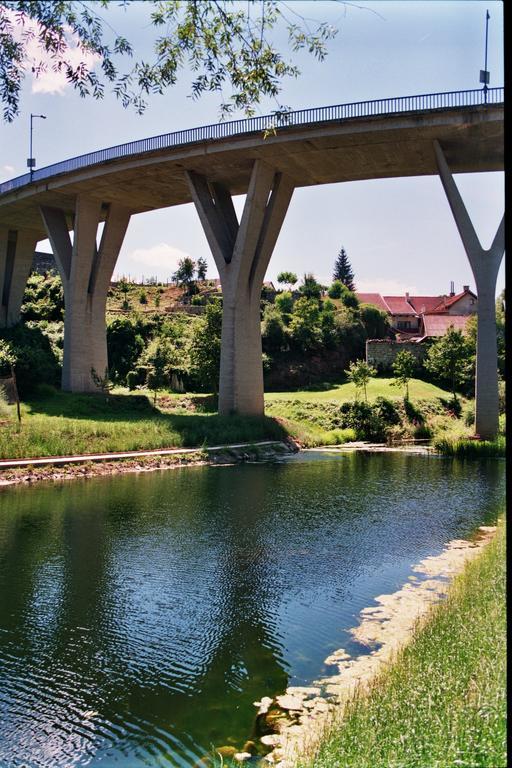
(141, 615)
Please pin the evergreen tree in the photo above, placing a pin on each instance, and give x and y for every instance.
(202, 268)
(343, 270)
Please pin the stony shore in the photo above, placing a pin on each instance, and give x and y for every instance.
(225, 455)
(296, 720)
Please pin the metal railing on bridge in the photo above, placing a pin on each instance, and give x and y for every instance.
(265, 124)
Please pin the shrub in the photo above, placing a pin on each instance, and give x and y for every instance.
(132, 379)
(284, 302)
(336, 290)
(124, 345)
(387, 411)
(364, 419)
(36, 362)
(143, 297)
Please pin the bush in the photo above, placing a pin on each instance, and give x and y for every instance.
(43, 299)
(365, 420)
(336, 290)
(387, 411)
(36, 362)
(375, 321)
(132, 379)
(124, 345)
(284, 302)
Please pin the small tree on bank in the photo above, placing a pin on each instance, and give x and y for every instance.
(343, 271)
(404, 368)
(360, 373)
(449, 360)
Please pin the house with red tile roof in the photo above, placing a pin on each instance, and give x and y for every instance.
(419, 317)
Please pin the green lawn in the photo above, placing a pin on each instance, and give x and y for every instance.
(442, 703)
(65, 423)
(58, 423)
(378, 387)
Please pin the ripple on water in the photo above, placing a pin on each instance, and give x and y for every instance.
(140, 616)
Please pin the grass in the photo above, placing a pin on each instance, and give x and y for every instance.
(377, 387)
(442, 702)
(57, 423)
(479, 449)
(65, 423)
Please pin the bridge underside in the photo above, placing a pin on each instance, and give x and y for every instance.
(210, 173)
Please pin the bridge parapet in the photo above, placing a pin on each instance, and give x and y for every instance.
(427, 102)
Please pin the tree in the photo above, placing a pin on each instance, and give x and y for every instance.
(449, 360)
(284, 303)
(404, 367)
(310, 288)
(287, 278)
(224, 46)
(375, 321)
(202, 268)
(205, 347)
(273, 330)
(124, 346)
(159, 358)
(343, 270)
(184, 275)
(360, 373)
(305, 324)
(335, 290)
(43, 299)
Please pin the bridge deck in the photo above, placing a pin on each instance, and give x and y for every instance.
(344, 143)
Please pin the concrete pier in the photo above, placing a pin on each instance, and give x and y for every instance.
(485, 265)
(86, 271)
(16, 253)
(242, 252)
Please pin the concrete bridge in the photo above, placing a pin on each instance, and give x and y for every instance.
(264, 158)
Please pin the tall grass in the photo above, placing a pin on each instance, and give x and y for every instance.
(478, 449)
(442, 702)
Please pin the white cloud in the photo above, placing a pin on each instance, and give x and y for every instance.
(45, 74)
(385, 286)
(7, 171)
(159, 261)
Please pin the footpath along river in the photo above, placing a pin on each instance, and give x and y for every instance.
(142, 615)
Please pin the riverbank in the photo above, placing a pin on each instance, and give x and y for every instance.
(73, 467)
(432, 689)
(56, 423)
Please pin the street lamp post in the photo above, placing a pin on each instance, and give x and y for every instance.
(484, 73)
(31, 161)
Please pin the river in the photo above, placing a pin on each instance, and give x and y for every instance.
(142, 615)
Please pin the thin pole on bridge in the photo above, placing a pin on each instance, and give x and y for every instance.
(484, 73)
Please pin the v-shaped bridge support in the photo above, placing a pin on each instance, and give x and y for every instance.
(86, 270)
(242, 252)
(485, 265)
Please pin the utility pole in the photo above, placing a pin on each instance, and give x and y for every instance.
(31, 161)
(484, 73)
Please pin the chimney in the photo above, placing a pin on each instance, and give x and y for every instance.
(452, 288)
(465, 288)
(407, 295)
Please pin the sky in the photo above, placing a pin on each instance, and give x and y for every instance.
(399, 233)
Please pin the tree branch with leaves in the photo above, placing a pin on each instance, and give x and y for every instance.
(226, 47)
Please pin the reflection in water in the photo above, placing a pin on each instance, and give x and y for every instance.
(141, 616)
